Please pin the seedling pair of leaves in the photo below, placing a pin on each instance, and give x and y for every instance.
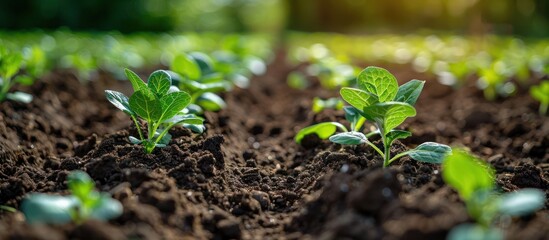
(157, 102)
(541, 93)
(195, 74)
(474, 180)
(84, 203)
(381, 101)
(10, 64)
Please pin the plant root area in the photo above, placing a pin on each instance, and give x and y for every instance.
(246, 178)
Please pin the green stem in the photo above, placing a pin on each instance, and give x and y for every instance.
(164, 132)
(376, 148)
(5, 88)
(543, 108)
(138, 127)
(387, 149)
(402, 154)
(371, 134)
(359, 124)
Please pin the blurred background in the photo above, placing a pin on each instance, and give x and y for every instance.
(528, 18)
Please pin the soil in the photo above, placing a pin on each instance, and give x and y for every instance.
(246, 178)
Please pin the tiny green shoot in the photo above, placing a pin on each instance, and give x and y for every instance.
(10, 64)
(84, 203)
(474, 180)
(157, 102)
(381, 101)
(320, 104)
(541, 93)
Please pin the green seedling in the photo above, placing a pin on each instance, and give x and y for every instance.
(10, 64)
(84, 203)
(541, 93)
(297, 80)
(474, 180)
(380, 100)
(195, 74)
(157, 102)
(331, 103)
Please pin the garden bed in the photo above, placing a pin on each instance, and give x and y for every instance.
(246, 178)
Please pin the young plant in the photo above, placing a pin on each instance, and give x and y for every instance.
(161, 105)
(474, 180)
(380, 100)
(10, 64)
(320, 104)
(84, 203)
(195, 74)
(541, 93)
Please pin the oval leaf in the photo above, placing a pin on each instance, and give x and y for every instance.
(522, 202)
(409, 92)
(430, 152)
(119, 100)
(186, 66)
(358, 98)
(146, 105)
(467, 174)
(349, 138)
(378, 82)
(211, 102)
(389, 115)
(173, 103)
(159, 82)
(107, 208)
(135, 80)
(322, 130)
(43, 208)
(469, 231)
(397, 134)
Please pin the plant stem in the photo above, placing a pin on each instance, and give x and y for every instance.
(402, 154)
(376, 148)
(138, 127)
(543, 108)
(387, 148)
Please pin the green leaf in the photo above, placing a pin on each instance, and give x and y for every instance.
(196, 128)
(358, 98)
(322, 130)
(172, 104)
(467, 174)
(19, 97)
(522, 202)
(211, 102)
(430, 152)
(469, 231)
(80, 184)
(349, 138)
(378, 82)
(145, 104)
(134, 140)
(119, 100)
(136, 81)
(352, 114)
(186, 119)
(409, 92)
(24, 80)
(186, 66)
(159, 82)
(388, 115)
(396, 134)
(106, 208)
(43, 208)
(541, 92)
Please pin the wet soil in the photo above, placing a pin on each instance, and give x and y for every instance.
(246, 178)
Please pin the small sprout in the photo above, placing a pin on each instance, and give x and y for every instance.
(541, 93)
(380, 100)
(161, 105)
(10, 64)
(195, 74)
(319, 104)
(297, 80)
(84, 203)
(474, 180)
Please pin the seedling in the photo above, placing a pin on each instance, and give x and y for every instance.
(380, 100)
(10, 64)
(474, 180)
(541, 93)
(158, 103)
(195, 74)
(320, 104)
(84, 203)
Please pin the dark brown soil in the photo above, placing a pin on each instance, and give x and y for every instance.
(246, 178)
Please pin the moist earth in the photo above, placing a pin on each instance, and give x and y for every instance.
(246, 178)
